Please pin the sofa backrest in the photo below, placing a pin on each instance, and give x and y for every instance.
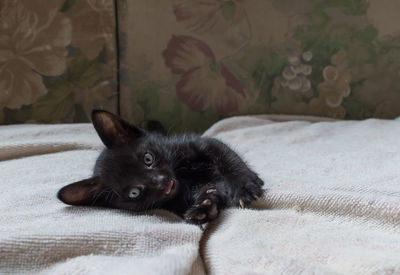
(189, 63)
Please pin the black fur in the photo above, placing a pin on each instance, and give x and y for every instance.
(194, 177)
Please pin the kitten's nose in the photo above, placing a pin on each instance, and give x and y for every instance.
(159, 179)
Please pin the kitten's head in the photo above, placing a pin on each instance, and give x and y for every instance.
(133, 172)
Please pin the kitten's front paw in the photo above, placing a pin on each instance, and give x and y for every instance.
(249, 189)
(205, 208)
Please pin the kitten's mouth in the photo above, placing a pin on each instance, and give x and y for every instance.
(170, 188)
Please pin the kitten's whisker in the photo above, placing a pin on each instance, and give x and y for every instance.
(109, 195)
(151, 205)
(97, 196)
(116, 193)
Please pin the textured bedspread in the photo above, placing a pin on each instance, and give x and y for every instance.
(332, 205)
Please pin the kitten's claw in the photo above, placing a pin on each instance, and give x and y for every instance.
(210, 191)
(249, 188)
(213, 213)
(206, 202)
(201, 216)
(204, 210)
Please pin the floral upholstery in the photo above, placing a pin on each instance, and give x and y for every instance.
(189, 63)
(57, 59)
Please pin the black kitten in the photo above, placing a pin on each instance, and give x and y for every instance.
(194, 177)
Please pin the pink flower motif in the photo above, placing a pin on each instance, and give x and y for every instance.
(204, 81)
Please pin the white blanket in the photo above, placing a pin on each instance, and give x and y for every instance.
(332, 205)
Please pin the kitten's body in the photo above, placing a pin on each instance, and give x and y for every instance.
(191, 176)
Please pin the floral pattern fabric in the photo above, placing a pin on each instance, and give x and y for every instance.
(57, 60)
(203, 81)
(189, 63)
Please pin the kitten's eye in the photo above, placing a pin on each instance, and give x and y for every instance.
(134, 193)
(148, 159)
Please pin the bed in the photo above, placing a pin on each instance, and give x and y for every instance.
(331, 205)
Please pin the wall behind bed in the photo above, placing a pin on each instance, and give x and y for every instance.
(189, 63)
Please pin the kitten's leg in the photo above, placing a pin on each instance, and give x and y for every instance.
(207, 204)
(240, 185)
(241, 190)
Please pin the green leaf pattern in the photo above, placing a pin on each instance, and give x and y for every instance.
(336, 58)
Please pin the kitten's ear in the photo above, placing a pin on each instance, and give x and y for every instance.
(113, 130)
(80, 192)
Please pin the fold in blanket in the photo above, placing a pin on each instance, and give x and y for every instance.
(333, 199)
(332, 205)
(40, 234)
